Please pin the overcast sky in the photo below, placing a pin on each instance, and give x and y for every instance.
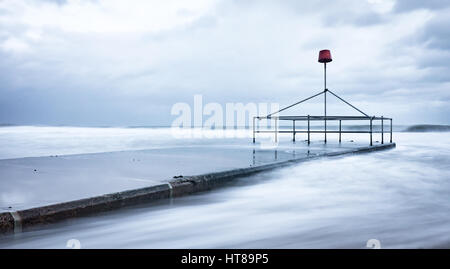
(127, 62)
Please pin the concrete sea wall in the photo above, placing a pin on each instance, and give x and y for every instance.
(17, 221)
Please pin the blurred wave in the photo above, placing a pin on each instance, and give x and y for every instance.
(35, 141)
(399, 197)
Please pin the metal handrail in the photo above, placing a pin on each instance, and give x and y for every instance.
(324, 118)
(310, 118)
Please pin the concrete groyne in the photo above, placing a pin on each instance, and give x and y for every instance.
(17, 221)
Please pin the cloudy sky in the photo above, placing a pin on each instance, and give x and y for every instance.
(123, 62)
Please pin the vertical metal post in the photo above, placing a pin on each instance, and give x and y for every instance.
(325, 120)
(340, 129)
(293, 130)
(371, 131)
(325, 98)
(254, 130)
(391, 130)
(308, 131)
(276, 129)
(382, 130)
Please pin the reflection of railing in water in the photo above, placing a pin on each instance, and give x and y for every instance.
(309, 118)
(275, 154)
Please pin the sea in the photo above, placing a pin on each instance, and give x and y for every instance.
(397, 198)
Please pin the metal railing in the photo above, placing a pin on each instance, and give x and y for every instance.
(308, 131)
(323, 118)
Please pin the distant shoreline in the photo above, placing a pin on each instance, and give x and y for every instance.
(418, 128)
(427, 128)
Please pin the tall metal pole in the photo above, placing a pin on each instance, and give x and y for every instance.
(371, 131)
(382, 130)
(325, 98)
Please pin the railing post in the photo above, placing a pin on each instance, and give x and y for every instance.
(293, 130)
(309, 141)
(340, 129)
(254, 130)
(371, 131)
(391, 130)
(276, 129)
(382, 130)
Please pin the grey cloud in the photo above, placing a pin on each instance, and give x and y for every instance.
(434, 37)
(243, 51)
(437, 32)
(362, 19)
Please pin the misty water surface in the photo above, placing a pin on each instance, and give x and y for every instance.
(399, 196)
